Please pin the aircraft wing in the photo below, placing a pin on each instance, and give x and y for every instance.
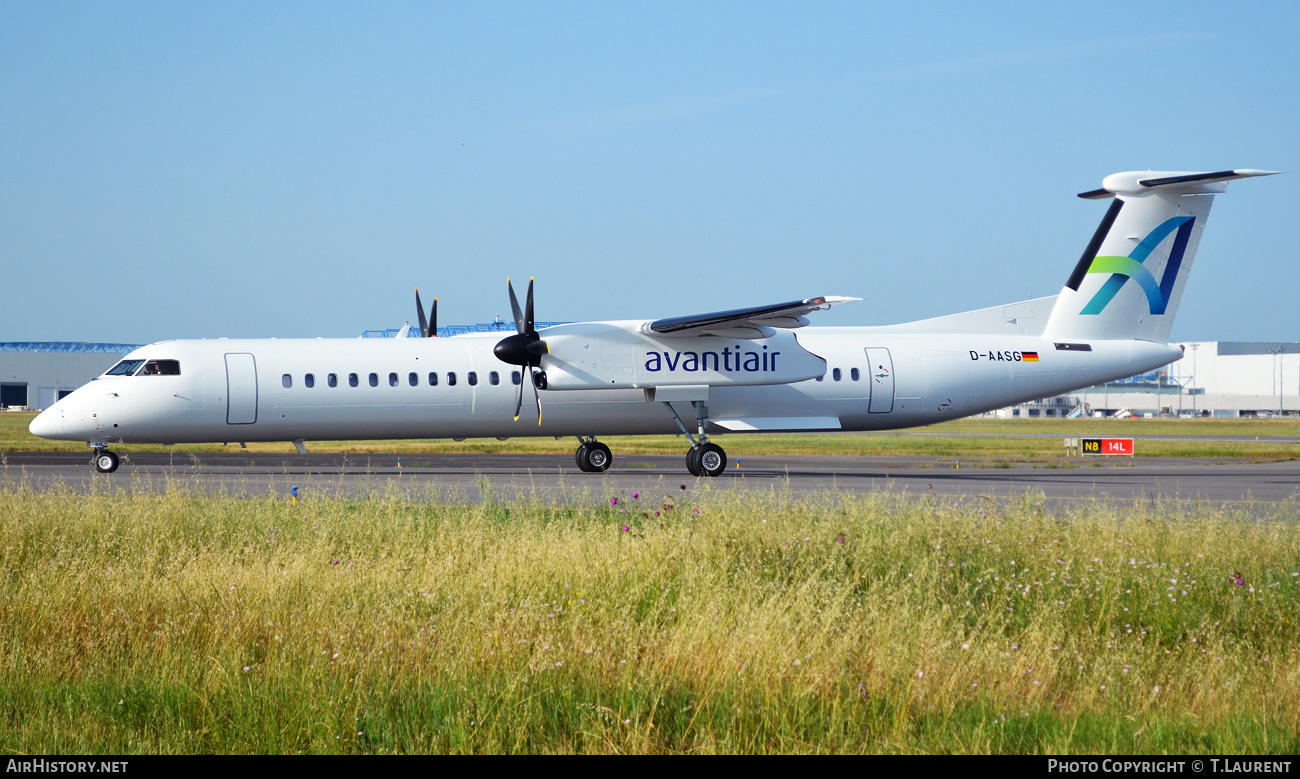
(756, 322)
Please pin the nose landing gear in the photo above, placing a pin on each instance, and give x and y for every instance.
(104, 460)
(592, 456)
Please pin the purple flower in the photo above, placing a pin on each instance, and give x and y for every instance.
(636, 495)
(696, 510)
(627, 528)
(613, 501)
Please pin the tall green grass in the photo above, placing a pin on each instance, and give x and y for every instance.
(763, 623)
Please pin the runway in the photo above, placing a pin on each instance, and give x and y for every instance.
(1260, 487)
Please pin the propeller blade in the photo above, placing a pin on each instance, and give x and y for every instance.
(433, 319)
(419, 309)
(520, 404)
(528, 309)
(514, 307)
(532, 379)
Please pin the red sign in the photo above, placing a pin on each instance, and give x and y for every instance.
(1108, 446)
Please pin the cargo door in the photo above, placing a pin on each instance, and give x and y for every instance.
(241, 389)
(880, 369)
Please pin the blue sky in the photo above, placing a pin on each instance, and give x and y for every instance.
(225, 169)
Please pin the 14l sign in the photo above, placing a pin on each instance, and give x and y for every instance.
(1108, 446)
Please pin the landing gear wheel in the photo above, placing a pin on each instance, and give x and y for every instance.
(598, 457)
(105, 462)
(711, 460)
(693, 462)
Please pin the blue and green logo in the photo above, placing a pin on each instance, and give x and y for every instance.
(1131, 267)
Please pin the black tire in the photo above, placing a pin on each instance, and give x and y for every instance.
(106, 462)
(711, 459)
(693, 462)
(580, 457)
(598, 457)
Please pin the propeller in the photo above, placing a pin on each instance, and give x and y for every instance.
(428, 327)
(525, 348)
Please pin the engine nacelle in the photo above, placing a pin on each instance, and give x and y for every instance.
(611, 356)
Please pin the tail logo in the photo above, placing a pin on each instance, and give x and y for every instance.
(1131, 267)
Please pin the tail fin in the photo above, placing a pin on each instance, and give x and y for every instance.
(1148, 237)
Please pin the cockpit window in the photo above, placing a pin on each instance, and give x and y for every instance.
(125, 368)
(161, 368)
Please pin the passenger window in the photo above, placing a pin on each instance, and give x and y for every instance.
(125, 368)
(494, 378)
(836, 374)
(286, 380)
(332, 379)
(309, 380)
(392, 379)
(854, 374)
(352, 380)
(820, 378)
(451, 378)
(374, 379)
(433, 379)
(515, 378)
(473, 378)
(413, 379)
(161, 368)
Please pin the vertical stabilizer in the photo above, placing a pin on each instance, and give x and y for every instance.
(1129, 281)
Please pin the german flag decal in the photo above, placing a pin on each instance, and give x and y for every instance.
(1029, 356)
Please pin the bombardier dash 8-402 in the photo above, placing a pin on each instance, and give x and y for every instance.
(748, 370)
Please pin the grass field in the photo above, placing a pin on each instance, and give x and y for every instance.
(989, 439)
(701, 620)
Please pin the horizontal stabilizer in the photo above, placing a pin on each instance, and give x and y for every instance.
(1190, 183)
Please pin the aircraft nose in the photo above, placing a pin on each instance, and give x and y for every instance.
(47, 424)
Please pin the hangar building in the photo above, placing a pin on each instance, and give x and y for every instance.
(34, 374)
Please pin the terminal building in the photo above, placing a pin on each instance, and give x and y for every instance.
(1214, 378)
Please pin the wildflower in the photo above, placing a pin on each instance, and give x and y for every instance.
(1236, 579)
(246, 668)
(613, 501)
(965, 646)
(626, 721)
(841, 539)
(797, 661)
(683, 486)
(635, 495)
(696, 510)
(626, 528)
(919, 675)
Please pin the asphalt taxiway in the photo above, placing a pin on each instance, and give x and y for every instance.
(1265, 486)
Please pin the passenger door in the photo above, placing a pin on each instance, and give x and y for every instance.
(241, 389)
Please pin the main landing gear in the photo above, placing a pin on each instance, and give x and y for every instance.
(705, 457)
(592, 456)
(104, 460)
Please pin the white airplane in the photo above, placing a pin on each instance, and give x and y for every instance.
(741, 371)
